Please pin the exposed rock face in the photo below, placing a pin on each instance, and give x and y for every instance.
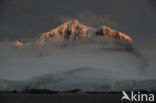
(73, 30)
(108, 32)
(69, 30)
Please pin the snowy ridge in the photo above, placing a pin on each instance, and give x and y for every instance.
(20, 44)
(110, 33)
(65, 82)
(73, 30)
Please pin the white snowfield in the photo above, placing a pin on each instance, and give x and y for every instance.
(93, 64)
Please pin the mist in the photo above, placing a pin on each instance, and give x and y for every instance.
(32, 61)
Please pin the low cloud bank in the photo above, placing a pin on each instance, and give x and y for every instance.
(90, 62)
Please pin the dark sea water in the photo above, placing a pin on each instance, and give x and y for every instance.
(60, 98)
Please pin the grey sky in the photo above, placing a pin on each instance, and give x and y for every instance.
(27, 19)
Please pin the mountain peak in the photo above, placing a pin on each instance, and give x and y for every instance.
(73, 30)
(108, 32)
(69, 30)
(74, 21)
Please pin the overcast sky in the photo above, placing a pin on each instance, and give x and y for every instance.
(28, 19)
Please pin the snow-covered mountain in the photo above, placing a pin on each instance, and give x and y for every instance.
(87, 59)
(74, 30)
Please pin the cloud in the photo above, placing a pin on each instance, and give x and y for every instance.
(91, 19)
(27, 62)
